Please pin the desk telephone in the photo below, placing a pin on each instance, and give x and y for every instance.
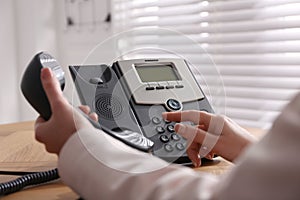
(132, 94)
(128, 96)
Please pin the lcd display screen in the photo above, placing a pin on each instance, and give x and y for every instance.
(157, 73)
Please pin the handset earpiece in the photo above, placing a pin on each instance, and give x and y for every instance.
(31, 84)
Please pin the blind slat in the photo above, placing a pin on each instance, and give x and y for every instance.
(237, 48)
(253, 104)
(210, 6)
(260, 82)
(258, 93)
(194, 14)
(229, 59)
(250, 70)
(244, 37)
(257, 25)
(255, 115)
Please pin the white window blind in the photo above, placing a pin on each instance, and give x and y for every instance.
(254, 44)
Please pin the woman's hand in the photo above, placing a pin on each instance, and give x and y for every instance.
(64, 121)
(211, 134)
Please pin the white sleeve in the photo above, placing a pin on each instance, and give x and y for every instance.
(269, 169)
(97, 166)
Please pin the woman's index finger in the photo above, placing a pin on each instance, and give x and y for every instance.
(197, 117)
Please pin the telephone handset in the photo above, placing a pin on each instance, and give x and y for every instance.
(132, 94)
(33, 91)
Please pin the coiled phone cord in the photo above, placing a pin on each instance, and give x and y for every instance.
(28, 180)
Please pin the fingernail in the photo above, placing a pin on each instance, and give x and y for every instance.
(164, 115)
(179, 128)
(195, 164)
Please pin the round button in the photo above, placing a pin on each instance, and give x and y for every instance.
(175, 137)
(170, 128)
(173, 104)
(164, 138)
(180, 146)
(160, 129)
(156, 120)
(168, 147)
(96, 80)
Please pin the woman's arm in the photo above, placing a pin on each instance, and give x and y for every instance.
(269, 169)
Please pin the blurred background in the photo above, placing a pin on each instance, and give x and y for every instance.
(248, 66)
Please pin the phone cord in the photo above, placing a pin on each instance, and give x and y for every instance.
(27, 180)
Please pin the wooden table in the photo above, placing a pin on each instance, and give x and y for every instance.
(19, 151)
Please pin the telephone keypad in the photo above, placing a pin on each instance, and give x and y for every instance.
(165, 133)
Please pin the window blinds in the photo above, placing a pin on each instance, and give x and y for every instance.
(254, 46)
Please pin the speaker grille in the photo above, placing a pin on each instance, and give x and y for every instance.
(108, 106)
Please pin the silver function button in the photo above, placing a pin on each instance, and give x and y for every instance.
(179, 86)
(169, 86)
(168, 147)
(156, 120)
(160, 129)
(175, 137)
(180, 146)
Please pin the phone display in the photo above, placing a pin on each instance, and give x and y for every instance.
(157, 73)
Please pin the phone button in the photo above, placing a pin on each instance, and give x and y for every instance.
(180, 146)
(170, 128)
(169, 86)
(150, 88)
(179, 86)
(160, 129)
(164, 138)
(156, 120)
(175, 137)
(173, 105)
(160, 87)
(168, 147)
